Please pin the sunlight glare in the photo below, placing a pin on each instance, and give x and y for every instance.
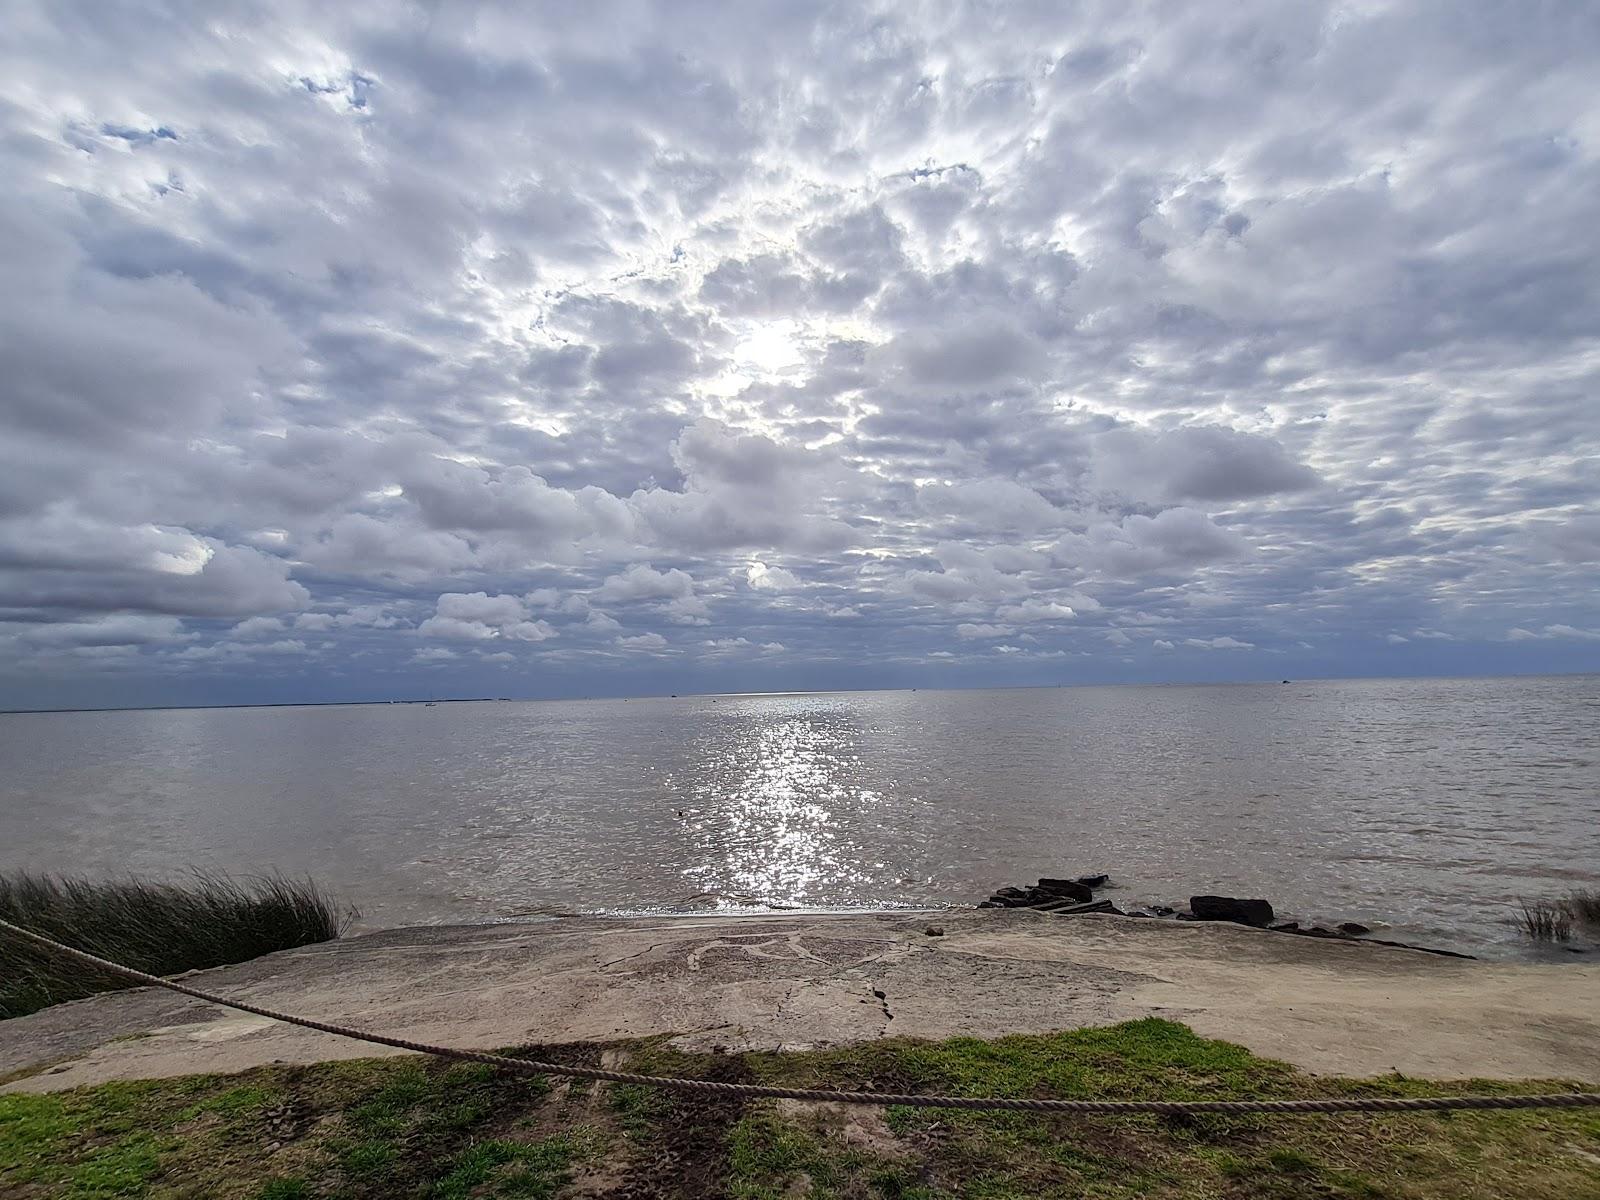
(769, 348)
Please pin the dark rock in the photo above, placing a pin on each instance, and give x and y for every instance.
(1285, 927)
(1009, 892)
(1139, 912)
(1066, 887)
(1354, 928)
(989, 904)
(1230, 908)
(935, 931)
(1161, 910)
(1092, 881)
(1318, 931)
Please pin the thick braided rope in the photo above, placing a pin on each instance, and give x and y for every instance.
(527, 1066)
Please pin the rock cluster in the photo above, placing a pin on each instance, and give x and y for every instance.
(1075, 896)
(1052, 894)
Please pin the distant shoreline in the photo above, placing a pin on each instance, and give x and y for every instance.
(1032, 687)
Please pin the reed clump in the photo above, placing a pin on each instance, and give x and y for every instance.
(1584, 905)
(158, 927)
(1545, 920)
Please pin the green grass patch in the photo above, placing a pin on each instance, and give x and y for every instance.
(414, 1127)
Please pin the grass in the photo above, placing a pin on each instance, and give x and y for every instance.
(161, 928)
(1545, 920)
(419, 1128)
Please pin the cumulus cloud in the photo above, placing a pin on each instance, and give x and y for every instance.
(480, 617)
(770, 579)
(643, 641)
(643, 582)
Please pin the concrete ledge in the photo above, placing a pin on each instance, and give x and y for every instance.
(768, 982)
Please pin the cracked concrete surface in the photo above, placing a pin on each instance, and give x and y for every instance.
(771, 982)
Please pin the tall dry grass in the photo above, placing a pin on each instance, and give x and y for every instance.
(160, 928)
(1545, 920)
(1584, 905)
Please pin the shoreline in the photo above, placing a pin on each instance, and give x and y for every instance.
(796, 982)
(1523, 951)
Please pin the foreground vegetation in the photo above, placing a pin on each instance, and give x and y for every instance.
(1552, 920)
(421, 1128)
(160, 928)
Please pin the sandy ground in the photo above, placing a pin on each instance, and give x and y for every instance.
(804, 981)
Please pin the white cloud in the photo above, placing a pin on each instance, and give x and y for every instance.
(643, 582)
(770, 579)
(480, 617)
(644, 641)
(1520, 634)
(1033, 609)
(1218, 643)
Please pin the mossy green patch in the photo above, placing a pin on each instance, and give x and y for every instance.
(770, 1158)
(419, 1128)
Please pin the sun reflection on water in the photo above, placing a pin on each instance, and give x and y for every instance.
(767, 816)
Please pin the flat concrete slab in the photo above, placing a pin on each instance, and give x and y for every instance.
(770, 982)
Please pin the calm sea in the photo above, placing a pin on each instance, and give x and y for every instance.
(1427, 806)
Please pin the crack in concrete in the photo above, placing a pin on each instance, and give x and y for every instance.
(883, 1002)
(636, 954)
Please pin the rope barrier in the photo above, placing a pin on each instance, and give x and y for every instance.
(528, 1066)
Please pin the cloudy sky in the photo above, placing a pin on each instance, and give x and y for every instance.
(365, 350)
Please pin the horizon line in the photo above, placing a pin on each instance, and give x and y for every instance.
(1033, 687)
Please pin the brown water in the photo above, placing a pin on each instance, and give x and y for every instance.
(1425, 805)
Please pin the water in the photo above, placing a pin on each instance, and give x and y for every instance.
(1424, 805)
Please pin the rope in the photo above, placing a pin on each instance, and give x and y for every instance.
(528, 1066)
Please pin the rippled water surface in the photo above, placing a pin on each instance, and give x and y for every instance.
(1428, 805)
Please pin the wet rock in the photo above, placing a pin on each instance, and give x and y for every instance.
(1092, 881)
(1161, 910)
(1231, 908)
(1354, 928)
(934, 931)
(1009, 893)
(1285, 927)
(1066, 887)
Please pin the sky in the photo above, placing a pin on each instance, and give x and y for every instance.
(374, 350)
